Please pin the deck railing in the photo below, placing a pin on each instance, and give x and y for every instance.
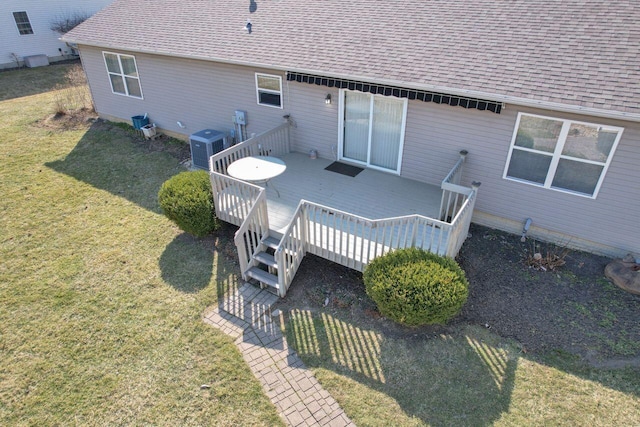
(291, 250)
(254, 228)
(274, 142)
(453, 194)
(338, 236)
(353, 241)
(462, 221)
(242, 203)
(233, 197)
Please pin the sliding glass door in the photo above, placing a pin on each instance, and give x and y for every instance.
(373, 130)
(357, 123)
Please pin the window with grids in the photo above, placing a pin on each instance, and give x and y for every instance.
(22, 22)
(123, 74)
(269, 90)
(562, 155)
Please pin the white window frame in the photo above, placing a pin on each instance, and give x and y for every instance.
(23, 23)
(557, 154)
(341, 107)
(122, 75)
(278, 92)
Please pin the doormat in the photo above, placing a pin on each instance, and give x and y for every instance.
(344, 169)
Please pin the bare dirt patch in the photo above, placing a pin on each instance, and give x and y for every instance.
(571, 310)
(161, 143)
(74, 120)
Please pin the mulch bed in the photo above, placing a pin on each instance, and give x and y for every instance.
(573, 309)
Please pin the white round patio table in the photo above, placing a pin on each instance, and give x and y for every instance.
(257, 169)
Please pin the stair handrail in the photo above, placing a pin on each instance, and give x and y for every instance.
(462, 221)
(291, 249)
(248, 238)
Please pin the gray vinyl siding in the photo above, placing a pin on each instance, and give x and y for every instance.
(434, 136)
(199, 94)
(316, 123)
(205, 94)
(43, 40)
(611, 219)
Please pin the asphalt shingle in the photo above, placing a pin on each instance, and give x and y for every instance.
(575, 52)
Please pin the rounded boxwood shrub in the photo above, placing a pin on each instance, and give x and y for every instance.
(187, 200)
(415, 287)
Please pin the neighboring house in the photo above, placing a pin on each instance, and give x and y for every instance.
(545, 95)
(25, 28)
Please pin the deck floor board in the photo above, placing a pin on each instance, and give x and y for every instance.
(371, 194)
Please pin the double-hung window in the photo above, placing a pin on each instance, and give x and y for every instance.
(123, 74)
(22, 22)
(269, 90)
(560, 154)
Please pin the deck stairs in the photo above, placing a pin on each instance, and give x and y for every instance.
(264, 267)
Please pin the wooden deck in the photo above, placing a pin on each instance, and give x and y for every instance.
(371, 194)
(348, 220)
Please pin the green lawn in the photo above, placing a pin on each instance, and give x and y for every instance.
(101, 297)
(468, 378)
(101, 302)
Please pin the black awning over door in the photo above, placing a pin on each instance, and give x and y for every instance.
(438, 98)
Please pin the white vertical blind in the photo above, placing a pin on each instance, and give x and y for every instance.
(373, 129)
(386, 132)
(357, 108)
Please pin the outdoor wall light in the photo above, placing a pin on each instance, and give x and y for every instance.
(327, 100)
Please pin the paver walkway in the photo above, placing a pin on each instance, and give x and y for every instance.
(246, 316)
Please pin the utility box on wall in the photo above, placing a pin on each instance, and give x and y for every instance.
(205, 144)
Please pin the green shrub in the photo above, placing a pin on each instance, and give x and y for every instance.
(187, 200)
(415, 287)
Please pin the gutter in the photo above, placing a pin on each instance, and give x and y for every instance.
(525, 102)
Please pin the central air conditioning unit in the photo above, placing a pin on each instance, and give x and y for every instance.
(205, 144)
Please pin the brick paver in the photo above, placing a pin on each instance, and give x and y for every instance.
(246, 316)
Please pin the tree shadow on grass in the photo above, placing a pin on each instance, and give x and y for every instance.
(20, 82)
(107, 158)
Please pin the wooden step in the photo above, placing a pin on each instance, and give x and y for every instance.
(271, 242)
(266, 259)
(263, 277)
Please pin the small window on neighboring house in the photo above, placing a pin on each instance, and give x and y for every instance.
(269, 90)
(22, 22)
(562, 155)
(123, 74)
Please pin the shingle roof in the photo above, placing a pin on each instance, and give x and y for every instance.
(582, 53)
